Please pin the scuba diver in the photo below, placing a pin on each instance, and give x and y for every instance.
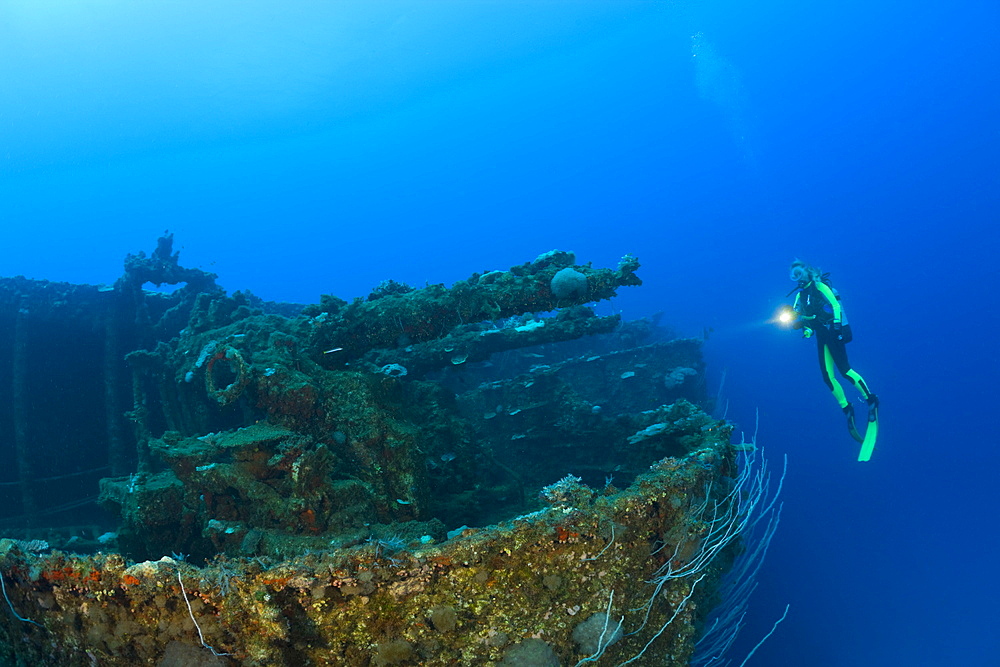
(818, 312)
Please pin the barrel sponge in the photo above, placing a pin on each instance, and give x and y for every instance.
(596, 634)
(568, 283)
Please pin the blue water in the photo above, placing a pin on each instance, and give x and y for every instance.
(324, 148)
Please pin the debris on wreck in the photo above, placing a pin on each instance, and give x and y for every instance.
(486, 473)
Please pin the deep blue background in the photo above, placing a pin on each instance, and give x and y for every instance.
(309, 147)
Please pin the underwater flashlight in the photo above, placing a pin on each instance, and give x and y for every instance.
(786, 315)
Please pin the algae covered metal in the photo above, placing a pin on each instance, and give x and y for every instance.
(486, 473)
(528, 586)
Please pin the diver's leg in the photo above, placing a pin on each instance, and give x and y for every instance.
(860, 383)
(838, 351)
(838, 354)
(827, 365)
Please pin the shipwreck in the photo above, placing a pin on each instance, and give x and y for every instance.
(487, 473)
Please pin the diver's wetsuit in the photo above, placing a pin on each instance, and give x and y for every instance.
(820, 313)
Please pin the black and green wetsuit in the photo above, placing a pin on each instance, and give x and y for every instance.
(821, 313)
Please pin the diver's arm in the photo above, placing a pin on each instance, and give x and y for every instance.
(832, 298)
(799, 310)
(798, 323)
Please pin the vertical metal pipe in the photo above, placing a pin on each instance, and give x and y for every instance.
(138, 416)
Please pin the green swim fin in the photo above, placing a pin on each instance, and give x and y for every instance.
(871, 432)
